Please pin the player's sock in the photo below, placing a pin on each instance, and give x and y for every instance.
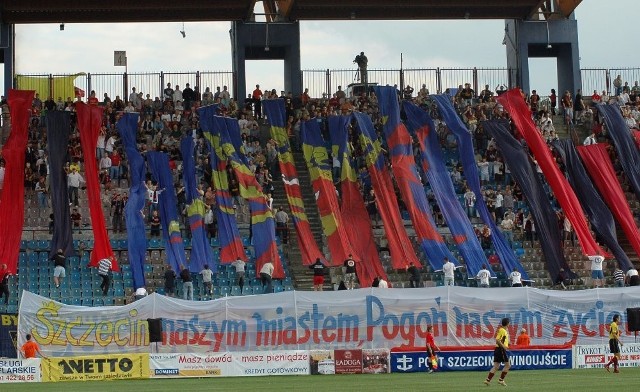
(503, 375)
(490, 376)
(615, 363)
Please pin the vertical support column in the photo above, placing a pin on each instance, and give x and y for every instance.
(249, 41)
(8, 55)
(536, 39)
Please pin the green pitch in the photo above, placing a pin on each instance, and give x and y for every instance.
(545, 380)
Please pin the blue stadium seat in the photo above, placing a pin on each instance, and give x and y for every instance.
(215, 241)
(225, 291)
(235, 291)
(278, 289)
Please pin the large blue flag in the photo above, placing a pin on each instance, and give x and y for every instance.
(406, 174)
(596, 209)
(525, 175)
(58, 137)
(625, 146)
(467, 157)
(167, 202)
(201, 253)
(136, 235)
(420, 123)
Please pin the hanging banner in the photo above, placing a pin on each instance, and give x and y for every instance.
(201, 253)
(317, 158)
(627, 150)
(13, 153)
(8, 328)
(400, 248)
(136, 231)
(275, 112)
(58, 128)
(369, 318)
(596, 356)
(468, 158)
(419, 122)
(544, 216)
(521, 117)
(167, 202)
(252, 363)
(96, 367)
(406, 175)
(263, 226)
(354, 214)
(20, 370)
(597, 161)
(231, 247)
(597, 212)
(481, 359)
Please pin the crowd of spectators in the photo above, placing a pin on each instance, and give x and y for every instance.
(165, 120)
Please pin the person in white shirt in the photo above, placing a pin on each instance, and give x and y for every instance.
(266, 273)
(207, 276)
(632, 277)
(483, 276)
(110, 144)
(73, 182)
(239, 265)
(177, 94)
(141, 292)
(596, 270)
(449, 270)
(591, 139)
(105, 163)
(516, 278)
(383, 284)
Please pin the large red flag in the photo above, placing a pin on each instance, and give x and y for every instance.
(12, 203)
(89, 123)
(596, 160)
(521, 116)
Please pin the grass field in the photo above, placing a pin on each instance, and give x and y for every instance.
(539, 380)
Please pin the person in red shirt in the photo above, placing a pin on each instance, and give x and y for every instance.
(31, 348)
(523, 339)
(431, 348)
(93, 100)
(257, 102)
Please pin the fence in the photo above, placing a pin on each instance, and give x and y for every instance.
(322, 82)
(120, 84)
(325, 82)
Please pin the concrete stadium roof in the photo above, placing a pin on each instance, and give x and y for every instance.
(114, 11)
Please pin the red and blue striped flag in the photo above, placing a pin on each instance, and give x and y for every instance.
(275, 112)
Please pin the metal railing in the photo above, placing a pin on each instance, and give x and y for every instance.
(320, 81)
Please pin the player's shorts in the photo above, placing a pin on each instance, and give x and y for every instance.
(59, 272)
(318, 280)
(349, 277)
(614, 346)
(517, 285)
(500, 355)
(597, 274)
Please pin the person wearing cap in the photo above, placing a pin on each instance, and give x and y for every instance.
(523, 339)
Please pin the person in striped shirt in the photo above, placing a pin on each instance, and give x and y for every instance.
(104, 267)
(618, 277)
